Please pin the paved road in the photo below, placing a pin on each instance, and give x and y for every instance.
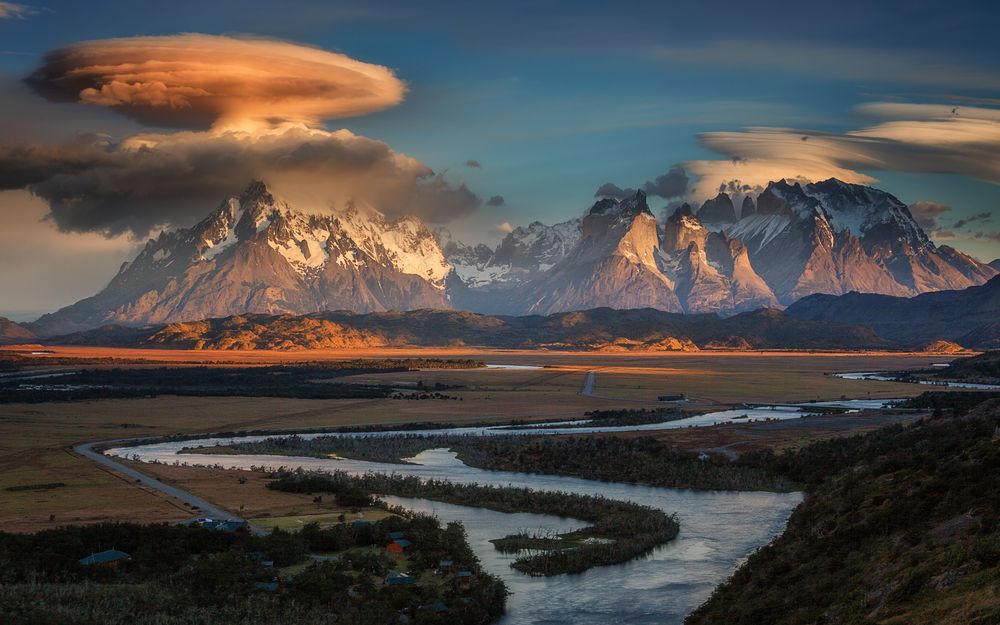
(590, 381)
(204, 508)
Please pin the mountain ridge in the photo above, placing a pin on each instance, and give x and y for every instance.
(967, 317)
(602, 329)
(254, 253)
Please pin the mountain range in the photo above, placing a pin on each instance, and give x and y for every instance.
(257, 254)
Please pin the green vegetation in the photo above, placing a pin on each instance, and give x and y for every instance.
(305, 381)
(630, 416)
(900, 526)
(620, 531)
(189, 575)
(984, 368)
(631, 460)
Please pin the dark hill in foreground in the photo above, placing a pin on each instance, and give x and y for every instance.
(900, 526)
(969, 317)
(597, 329)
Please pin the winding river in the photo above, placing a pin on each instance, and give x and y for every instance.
(718, 528)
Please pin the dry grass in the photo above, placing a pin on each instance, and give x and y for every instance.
(34, 439)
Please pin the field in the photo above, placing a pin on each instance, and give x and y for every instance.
(35, 439)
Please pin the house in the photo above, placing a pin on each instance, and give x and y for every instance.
(394, 549)
(465, 577)
(396, 535)
(267, 564)
(405, 544)
(445, 564)
(400, 579)
(110, 557)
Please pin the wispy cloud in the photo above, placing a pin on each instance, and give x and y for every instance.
(852, 63)
(12, 10)
(913, 138)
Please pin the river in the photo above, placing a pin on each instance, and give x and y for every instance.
(718, 530)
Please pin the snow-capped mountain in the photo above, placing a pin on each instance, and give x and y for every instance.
(522, 254)
(256, 254)
(832, 237)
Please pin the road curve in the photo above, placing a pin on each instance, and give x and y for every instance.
(204, 507)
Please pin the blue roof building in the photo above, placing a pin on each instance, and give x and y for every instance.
(111, 556)
(396, 535)
(400, 579)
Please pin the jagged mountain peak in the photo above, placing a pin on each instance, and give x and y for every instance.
(627, 207)
(718, 211)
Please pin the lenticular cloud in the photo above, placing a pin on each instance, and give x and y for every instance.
(199, 81)
(250, 108)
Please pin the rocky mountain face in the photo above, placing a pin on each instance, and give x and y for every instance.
(604, 329)
(996, 264)
(967, 317)
(256, 254)
(11, 332)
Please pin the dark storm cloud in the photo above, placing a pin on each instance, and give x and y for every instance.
(610, 189)
(961, 223)
(474, 164)
(496, 200)
(148, 181)
(672, 184)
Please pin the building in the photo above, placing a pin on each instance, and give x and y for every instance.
(110, 557)
(400, 579)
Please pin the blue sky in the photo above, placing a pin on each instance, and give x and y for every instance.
(557, 98)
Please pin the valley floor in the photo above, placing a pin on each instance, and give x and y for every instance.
(35, 439)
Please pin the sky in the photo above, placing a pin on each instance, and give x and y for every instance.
(116, 122)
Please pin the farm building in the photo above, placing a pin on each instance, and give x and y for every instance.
(105, 558)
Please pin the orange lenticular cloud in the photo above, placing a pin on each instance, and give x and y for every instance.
(226, 83)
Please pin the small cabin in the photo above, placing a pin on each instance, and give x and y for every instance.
(111, 557)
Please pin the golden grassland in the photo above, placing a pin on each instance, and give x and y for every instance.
(35, 439)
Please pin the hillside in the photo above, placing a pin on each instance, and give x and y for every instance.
(11, 332)
(967, 317)
(597, 329)
(899, 527)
